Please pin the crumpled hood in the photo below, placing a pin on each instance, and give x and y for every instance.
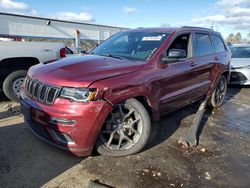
(82, 71)
(240, 62)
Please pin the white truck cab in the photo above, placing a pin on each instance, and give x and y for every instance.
(17, 57)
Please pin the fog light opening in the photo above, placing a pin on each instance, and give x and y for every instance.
(66, 122)
(61, 137)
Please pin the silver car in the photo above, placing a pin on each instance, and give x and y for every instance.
(240, 64)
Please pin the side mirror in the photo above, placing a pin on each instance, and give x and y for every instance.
(174, 55)
(177, 53)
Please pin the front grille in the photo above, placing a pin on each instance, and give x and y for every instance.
(40, 91)
(237, 77)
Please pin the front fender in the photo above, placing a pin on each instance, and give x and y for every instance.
(120, 88)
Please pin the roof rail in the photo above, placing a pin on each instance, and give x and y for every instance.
(193, 27)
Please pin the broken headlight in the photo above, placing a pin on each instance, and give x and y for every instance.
(78, 94)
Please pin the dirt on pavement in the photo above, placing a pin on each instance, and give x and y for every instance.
(221, 160)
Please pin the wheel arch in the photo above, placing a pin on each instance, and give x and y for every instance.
(214, 82)
(227, 75)
(146, 101)
(10, 65)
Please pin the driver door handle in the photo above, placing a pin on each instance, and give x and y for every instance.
(193, 64)
(216, 58)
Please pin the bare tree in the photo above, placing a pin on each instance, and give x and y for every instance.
(230, 38)
(238, 37)
(248, 35)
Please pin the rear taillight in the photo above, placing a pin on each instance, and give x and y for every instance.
(63, 52)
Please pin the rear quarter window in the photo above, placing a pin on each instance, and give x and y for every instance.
(218, 44)
(202, 44)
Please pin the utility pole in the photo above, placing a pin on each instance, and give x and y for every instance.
(77, 40)
(212, 26)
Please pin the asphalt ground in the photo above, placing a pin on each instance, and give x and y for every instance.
(221, 160)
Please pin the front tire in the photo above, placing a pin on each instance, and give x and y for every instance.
(125, 131)
(12, 83)
(219, 93)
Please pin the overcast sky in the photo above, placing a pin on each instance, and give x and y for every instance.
(226, 15)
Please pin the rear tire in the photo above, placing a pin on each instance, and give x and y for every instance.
(129, 125)
(12, 83)
(219, 93)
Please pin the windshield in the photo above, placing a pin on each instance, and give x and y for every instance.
(240, 52)
(131, 45)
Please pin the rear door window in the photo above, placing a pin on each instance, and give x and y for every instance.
(218, 44)
(202, 45)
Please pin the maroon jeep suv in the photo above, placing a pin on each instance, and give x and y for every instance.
(108, 98)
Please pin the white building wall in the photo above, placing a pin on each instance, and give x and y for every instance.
(11, 24)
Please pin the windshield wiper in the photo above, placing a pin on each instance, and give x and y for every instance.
(113, 56)
(92, 53)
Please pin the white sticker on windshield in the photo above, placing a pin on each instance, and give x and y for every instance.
(153, 38)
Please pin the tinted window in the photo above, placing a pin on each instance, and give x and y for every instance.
(203, 44)
(240, 52)
(218, 44)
